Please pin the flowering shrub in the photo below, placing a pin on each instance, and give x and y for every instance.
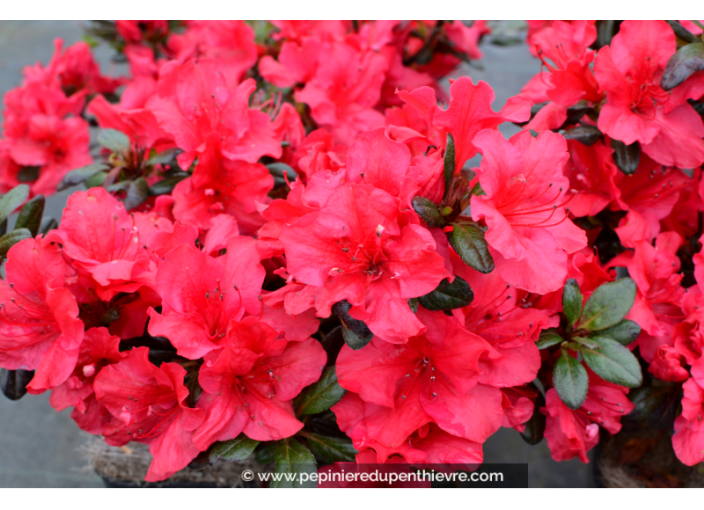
(283, 247)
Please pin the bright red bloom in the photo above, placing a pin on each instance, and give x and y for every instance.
(637, 108)
(432, 378)
(98, 349)
(39, 325)
(529, 233)
(592, 172)
(202, 294)
(374, 472)
(248, 386)
(361, 248)
(657, 308)
(149, 405)
(688, 441)
(573, 433)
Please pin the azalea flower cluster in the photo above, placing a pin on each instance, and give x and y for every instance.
(283, 241)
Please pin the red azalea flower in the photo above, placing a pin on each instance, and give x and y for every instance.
(248, 386)
(573, 433)
(202, 294)
(688, 441)
(529, 233)
(361, 248)
(433, 377)
(39, 325)
(148, 405)
(637, 108)
(592, 172)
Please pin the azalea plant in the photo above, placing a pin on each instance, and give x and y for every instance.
(285, 246)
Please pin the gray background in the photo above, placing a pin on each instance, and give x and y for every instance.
(41, 448)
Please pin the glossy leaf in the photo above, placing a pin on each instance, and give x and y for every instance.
(570, 380)
(331, 449)
(586, 134)
(321, 395)
(427, 210)
(238, 449)
(625, 332)
(684, 63)
(80, 175)
(114, 140)
(535, 426)
(13, 383)
(613, 362)
(608, 305)
(12, 238)
(448, 296)
(469, 243)
(167, 157)
(548, 338)
(355, 332)
(290, 456)
(137, 193)
(626, 157)
(449, 165)
(31, 215)
(572, 301)
(12, 200)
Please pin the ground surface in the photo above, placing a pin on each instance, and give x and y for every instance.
(41, 448)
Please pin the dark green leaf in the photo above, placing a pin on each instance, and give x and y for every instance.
(167, 157)
(14, 382)
(548, 338)
(449, 165)
(331, 449)
(279, 169)
(608, 305)
(426, 209)
(114, 140)
(28, 174)
(239, 448)
(448, 296)
(582, 340)
(48, 223)
(626, 157)
(625, 332)
(586, 134)
(413, 304)
(683, 64)
(265, 453)
(613, 362)
(31, 215)
(572, 301)
(12, 238)
(535, 427)
(355, 332)
(137, 193)
(166, 186)
(80, 175)
(682, 32)
(12, 200)
(96, 180)
(290, 457)
(3, 227)
(570, 380)
(321, 395)
(469, 243)
(646, 401)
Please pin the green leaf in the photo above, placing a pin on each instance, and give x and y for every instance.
(48, 223)
(265, 453)
(646, 401)
(12, 238)
(426, 209)
(167, 157)
(626, 157)
(682, 32)
(114, 140)
(13, 383)
(448, 296)
(331, 449)
(613, 362)
(137, 193)
(239, 448)
(321, 395)
(80, 175)
(166, 186)
(586, 134)
(291, 457)
(608, 304)
(570, 380)
(548, 338)
(469, 243)
(96, 180)
(449, 165)
(355, 333)
(625, 332)
(683, 64)
(279, 169)
(535, 427)
(31, 215)
(572, 301)
(582, 340)
(12, 200)
(28, 174)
